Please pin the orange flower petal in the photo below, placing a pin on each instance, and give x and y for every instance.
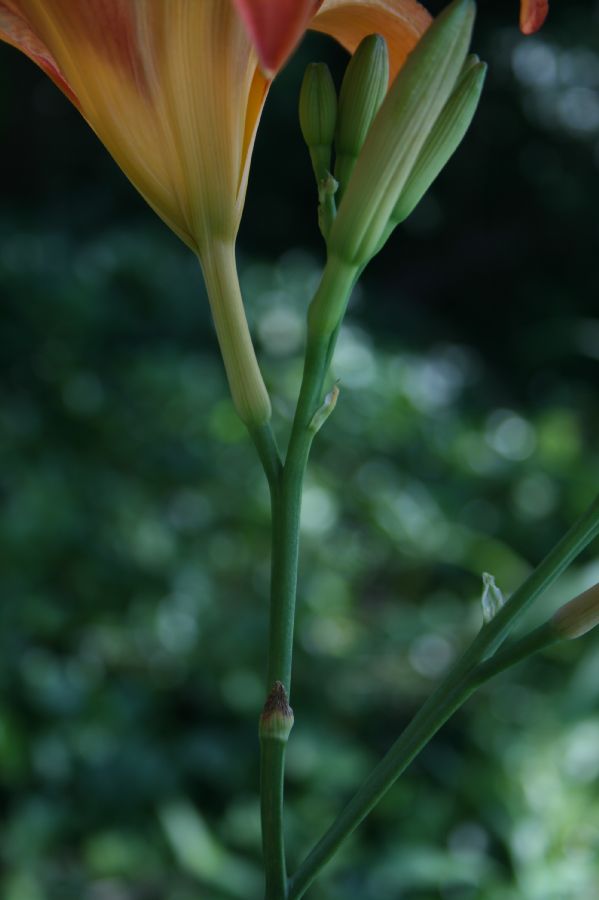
(275, 27)
(532, 15)
(16, 30)
(400, 22)
(171, 88)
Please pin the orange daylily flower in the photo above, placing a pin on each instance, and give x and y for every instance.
(277, 25)
(174, 90)
(173, 87)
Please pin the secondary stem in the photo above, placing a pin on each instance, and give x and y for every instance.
(460, 683)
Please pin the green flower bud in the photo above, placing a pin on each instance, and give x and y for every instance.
(444, 139)
(363, 90)
(324, 411)
(276, 720)
(578, 616)
(398, 133)
(318, 116)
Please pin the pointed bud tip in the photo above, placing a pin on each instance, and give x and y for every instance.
(371, 44)
(458, 9)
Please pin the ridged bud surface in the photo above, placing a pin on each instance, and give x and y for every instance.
(398, 133)
(318, 116)
(362, 92)
(444, 139)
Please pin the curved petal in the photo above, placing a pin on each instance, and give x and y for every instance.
(532, 15)
(276, 26)
(400, 22)
(170, 87)
(16, 30)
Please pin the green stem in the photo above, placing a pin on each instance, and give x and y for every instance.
(536, 640)
(266, 445)
(332, 294)
(286, 497)
(286, 485)
(272, 772)
(459, 684)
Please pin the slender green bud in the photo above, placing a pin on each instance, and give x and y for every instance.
(578, 616)
(324, 411)
(276, 720)
(492, 599)
(398, 133)
(362, 91)
(318, 116)
(444, 139)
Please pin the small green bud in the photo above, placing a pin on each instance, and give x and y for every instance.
(444, 139)
(578, 616)
(398, 133)
(276, 720)
(324, 411)
(318, 117)
(492, 598)
(362, 91)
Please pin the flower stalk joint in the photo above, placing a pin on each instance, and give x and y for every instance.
(276, 720)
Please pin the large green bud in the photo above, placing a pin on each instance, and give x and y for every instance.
(318, 117)
(399, 132)
(362, 92)
(444, 139)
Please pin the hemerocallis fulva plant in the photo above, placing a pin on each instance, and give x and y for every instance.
(175, 89)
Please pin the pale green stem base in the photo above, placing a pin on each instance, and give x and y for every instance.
(243, 373)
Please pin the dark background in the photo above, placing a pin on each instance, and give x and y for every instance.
(134, 530)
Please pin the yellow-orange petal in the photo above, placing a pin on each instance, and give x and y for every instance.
(401, 22)
(171, 87)
(532, 15)
(275, 27)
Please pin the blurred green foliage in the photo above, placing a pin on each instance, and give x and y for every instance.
(134, 535)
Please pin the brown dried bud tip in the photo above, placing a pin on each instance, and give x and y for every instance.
(276, 720)
(579, 615)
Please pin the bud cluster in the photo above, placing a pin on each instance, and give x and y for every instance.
(389, 144)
